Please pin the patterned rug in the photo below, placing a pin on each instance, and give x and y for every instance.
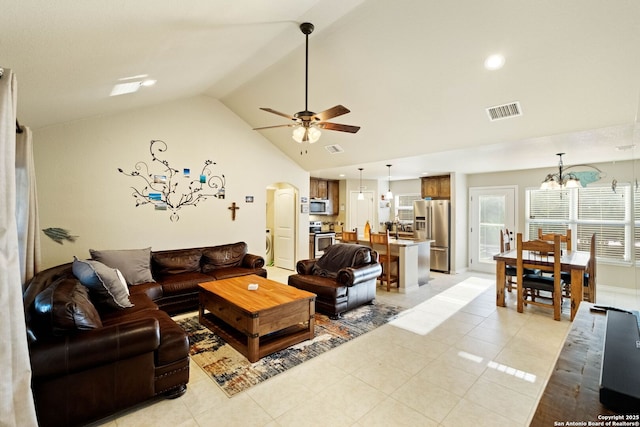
(234, 373)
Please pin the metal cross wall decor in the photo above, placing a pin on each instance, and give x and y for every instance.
(233, 208)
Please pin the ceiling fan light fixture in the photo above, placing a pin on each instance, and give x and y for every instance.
(307, 123)
(299, 134)
(306, 134)
(314, 134)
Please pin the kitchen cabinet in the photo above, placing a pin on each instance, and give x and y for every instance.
(436, 187)
(333, 193)
(328, 189)
(318, 188)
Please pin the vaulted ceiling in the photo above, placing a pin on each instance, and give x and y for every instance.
(410, 71)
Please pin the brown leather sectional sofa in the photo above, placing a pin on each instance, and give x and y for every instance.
(92, 360)
(343, 278)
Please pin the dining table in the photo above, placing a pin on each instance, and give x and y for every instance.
(573, 262)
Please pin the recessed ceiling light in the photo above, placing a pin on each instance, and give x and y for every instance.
(148, 82)
(494, 62)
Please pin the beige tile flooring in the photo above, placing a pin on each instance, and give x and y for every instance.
(482, 366)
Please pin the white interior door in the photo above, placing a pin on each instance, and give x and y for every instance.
(284, 233)
(492, 209)
(361, 211)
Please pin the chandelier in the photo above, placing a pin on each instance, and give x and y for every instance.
(563, 179)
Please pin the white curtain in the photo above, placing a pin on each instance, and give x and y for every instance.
(27, 207)
(16, 400)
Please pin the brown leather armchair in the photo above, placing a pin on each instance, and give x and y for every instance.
(344, 278)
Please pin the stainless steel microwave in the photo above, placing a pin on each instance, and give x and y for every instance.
(320, 207)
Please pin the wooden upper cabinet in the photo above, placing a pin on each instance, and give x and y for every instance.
(323, 189)
(445, 186)
(334, 195)
(318, 188)
(436, 187)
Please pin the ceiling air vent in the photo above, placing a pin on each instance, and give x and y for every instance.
(504, 111)
(333, 149)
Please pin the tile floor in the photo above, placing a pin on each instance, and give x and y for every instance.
(482, 365)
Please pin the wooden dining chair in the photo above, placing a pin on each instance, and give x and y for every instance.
(564, 238)
(530, 285)
(589, 278)
(589, 290)
(510, 270)
(349, 236)
(505, 246)
(380, 243)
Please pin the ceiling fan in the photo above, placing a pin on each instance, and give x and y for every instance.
(306, 123)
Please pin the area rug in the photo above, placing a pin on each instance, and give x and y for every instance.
(234, 373)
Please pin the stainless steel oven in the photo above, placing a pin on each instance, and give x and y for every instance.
(321, 241)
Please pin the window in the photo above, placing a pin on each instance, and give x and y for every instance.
(404, 206)
(587, 211)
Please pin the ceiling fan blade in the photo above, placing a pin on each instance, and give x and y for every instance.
(278, 113)
(336, 111)
(276, 126)
(338, 127)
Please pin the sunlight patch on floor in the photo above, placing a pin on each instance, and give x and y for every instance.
(429, 314)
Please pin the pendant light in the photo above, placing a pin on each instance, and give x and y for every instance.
(389, 195)
(360, 195)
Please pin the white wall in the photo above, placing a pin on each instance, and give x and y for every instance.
(80, 188)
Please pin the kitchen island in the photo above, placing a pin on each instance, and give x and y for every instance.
(414, 259)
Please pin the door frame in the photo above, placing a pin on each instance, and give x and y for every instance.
(509, 191)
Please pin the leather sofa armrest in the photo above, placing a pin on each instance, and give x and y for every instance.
(305, 266)
(97, 347)
(352, 276)
(252, 261)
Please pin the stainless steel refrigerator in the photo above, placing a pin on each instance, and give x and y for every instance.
(432, 222)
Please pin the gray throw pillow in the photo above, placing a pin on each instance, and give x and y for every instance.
(134, 264)
(104, 283)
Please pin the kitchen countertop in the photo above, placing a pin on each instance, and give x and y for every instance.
(399, 242)
(408, 242)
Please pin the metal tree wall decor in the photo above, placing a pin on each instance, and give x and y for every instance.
(160, 188)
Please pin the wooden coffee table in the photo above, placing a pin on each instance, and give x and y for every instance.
(258, 322)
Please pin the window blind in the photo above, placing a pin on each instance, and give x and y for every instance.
(595, 209)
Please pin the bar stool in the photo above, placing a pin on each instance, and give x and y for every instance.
(349, 236)
(380, 243)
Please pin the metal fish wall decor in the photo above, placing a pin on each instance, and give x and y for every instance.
(58, 235)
